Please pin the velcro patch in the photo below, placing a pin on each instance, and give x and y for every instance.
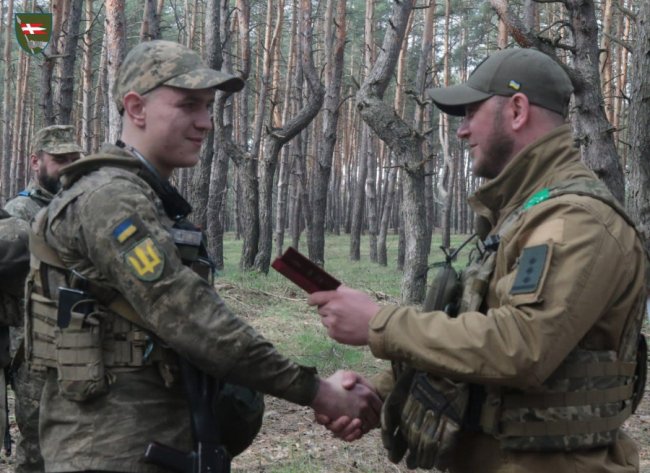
(126, 229)
(146, 260)
(531, 269)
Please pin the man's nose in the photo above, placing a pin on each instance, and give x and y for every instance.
(463, 130)
(204, 119)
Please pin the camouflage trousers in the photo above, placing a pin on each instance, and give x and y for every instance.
(28, 387)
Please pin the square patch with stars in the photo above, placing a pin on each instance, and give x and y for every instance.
(531, 269)
(146, 260)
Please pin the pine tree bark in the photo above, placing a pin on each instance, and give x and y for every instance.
(406, 143)
(100, 109)
(66, 95)
(6, 112)
(335, 36)
(638, 201)
(150, 28)
(87, 81)
(115, 52)
(46, 99)
(359, 196)
(17, 154)
(295, 76)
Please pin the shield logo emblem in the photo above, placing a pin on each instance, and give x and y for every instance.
(33, 31)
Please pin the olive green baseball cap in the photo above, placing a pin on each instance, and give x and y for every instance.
(506, 73)
(154, 63)
(56, 139)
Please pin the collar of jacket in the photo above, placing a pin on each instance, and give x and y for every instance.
(108, 155)
(39, 193)
(551, 158)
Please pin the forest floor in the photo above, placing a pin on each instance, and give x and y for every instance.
(290, 442)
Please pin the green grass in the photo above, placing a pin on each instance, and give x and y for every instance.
(277, 307)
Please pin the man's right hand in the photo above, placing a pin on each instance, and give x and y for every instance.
(348, 427)
(354, 405)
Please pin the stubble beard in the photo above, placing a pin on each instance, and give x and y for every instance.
(499, 150)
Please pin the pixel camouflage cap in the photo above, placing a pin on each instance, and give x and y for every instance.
(56, 139)
(506, 73)
(154, 63)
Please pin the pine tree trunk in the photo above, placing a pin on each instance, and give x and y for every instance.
(335, 36)
(66, 90)
(100, 110)
(295, 75)
(150, 28)
(87, 82)
(638, 201)
(6, 112)
(115, 52)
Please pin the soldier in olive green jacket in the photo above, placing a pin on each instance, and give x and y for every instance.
(53, 148)
(539, 361)
(117, 237)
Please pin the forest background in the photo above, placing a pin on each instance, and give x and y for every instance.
(333, 135)
(333, 132)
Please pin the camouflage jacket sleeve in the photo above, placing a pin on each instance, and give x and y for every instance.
(14, 255)
(121, 241)
(587, 292)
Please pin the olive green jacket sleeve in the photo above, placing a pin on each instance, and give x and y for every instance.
(179, 307)
(591, 283)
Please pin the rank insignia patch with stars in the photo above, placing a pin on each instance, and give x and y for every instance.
(531, 269)
(145, 260)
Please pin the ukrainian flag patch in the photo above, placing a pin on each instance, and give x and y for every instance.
(124, 230)
(514, 85)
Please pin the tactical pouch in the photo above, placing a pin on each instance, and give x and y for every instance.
(423, 418)
(78, 341)
(444, 290)
(431, 420)
(239, 412)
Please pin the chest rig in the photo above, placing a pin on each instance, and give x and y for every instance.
(86, 331)
(581, 406)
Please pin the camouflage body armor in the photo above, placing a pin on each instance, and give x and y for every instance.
(89, 332)
(581, 406)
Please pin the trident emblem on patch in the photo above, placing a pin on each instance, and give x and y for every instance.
(33, 31)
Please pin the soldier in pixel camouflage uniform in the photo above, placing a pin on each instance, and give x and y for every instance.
(538, 361)
(117, 236)
(53, 148)
(14, 263)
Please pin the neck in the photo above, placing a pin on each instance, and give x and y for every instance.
(138, 147)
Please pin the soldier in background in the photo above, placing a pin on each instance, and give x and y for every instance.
(14, 264)
(537, 362)
(53, 148)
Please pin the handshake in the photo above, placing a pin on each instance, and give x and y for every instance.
(347, 405)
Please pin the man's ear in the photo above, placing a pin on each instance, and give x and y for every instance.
(521, 111)
(134, 108)
(34, 162)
